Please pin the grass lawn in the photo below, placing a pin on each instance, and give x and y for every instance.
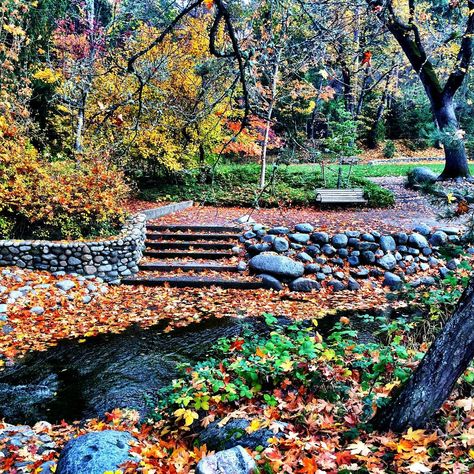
(236, 184)
(375, 171)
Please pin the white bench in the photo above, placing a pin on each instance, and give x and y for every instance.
(340, 196)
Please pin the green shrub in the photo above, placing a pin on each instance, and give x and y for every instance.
(389, 149)
(6, 228)
(236, 185)
(254, 367)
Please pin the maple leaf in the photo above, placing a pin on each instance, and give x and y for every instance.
(208, 4)
(187, 415)
(359, 448)
(237, 345)
(418, 467)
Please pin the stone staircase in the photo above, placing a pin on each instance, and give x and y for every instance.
(187, 256)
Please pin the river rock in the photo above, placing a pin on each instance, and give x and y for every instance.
(233, 433)
(336, 285)
(422, 229)
(65, 285)
(339, 241)
(422, 175)
(352, 284)
(438, 238)
(320, 238)
(305, 228)
(304, 257)
(276, 265)
(394, 282)
(279, 230)
(328, 250)
(388, 262)
(280, 244)
(95, 453)
(247, 219)
(304, 284)
(417, 240)
(231, 461)
(312, 268)
(299, 238)
(271, 282)
(387, 243)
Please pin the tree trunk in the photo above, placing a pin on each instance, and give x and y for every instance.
(433, 380)
(79, 129)
(372, 138)
(455, 152)
(263, 170)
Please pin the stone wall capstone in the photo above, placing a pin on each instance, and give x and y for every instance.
(109, 259)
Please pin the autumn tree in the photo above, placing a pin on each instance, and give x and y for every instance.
(437, 41)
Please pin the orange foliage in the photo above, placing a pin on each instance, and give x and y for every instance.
(60, 199)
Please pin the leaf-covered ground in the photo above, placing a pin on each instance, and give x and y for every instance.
(115, 308)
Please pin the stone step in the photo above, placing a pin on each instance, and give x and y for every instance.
(190, 236)
(187, 267)
(187, 245)
(194, 282)
(193, 254)
(195, 228)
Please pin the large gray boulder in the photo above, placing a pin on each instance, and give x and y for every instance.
(231, 461)
(276, 265)
(421, 175)
(95, 453)
(232, 434)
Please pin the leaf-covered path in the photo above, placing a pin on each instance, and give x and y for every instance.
(411, 208)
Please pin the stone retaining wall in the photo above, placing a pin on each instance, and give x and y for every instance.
(108, 259)
(304, 257)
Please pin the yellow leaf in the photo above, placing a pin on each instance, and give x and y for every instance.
(254, 426)
(451, 198)
(286, 366)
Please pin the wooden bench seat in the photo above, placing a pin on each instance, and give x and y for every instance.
(340, 196)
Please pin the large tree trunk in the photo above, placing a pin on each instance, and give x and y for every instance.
(433, 380)
(455, 152)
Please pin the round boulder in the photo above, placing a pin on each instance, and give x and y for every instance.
(95, 453)
(276, 265)
(421, 175)
(299, 238)
(417, 240)
(280, 244)
(304, 284)
(304, 228)
(387, 243)
(320, 238)
(388, 262)
(438, 238)
(339, 241)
